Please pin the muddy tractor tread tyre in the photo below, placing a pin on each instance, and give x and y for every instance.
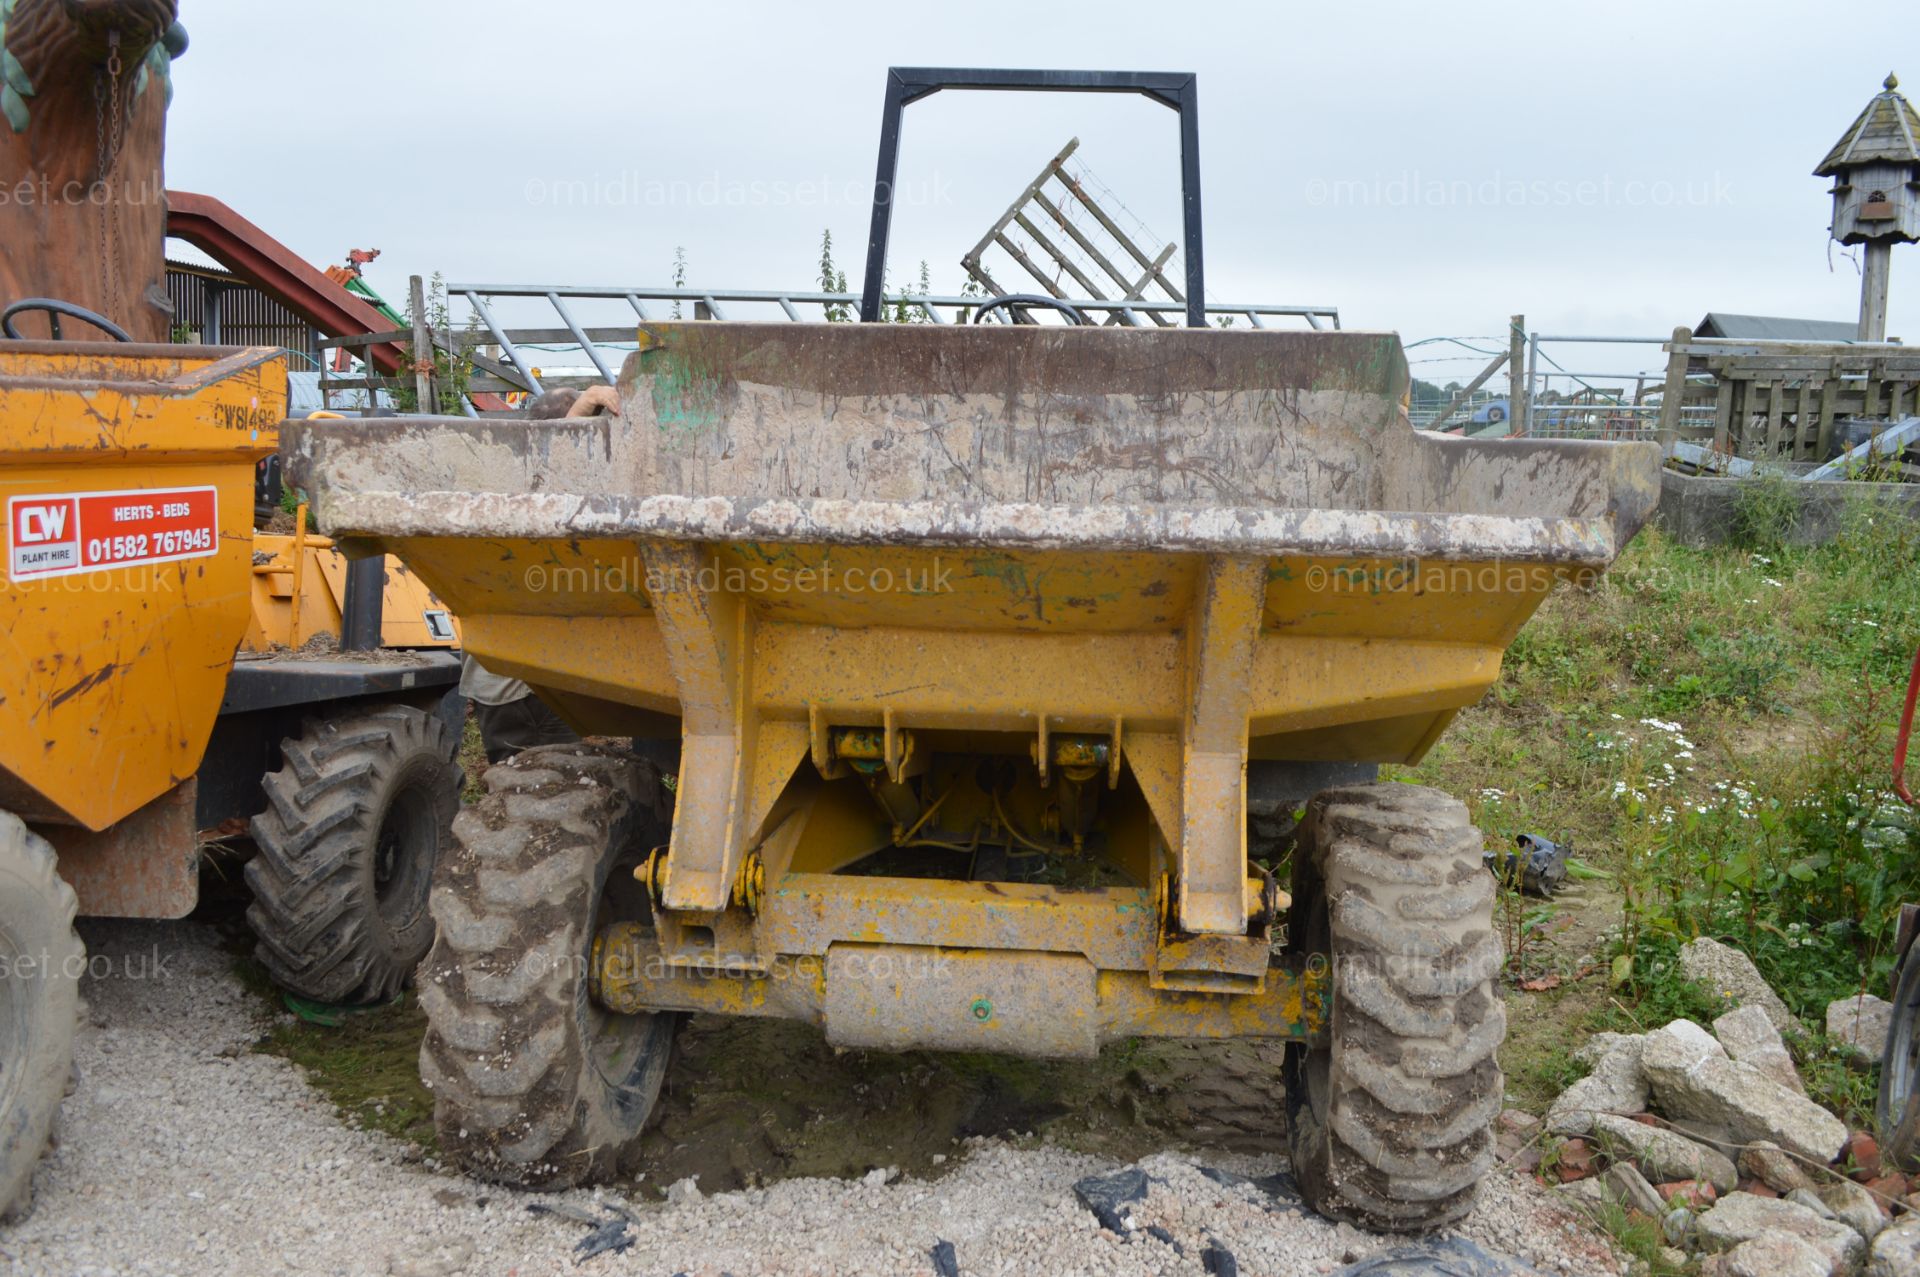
(533, 1085)
(39, 1007)
(356, 818)
(1390, 1119)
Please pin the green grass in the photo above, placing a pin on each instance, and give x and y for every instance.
(473, 760)
(1835, 1083)
(1638, 1237)
(1544, 1073)
(368, 1066)
(1713, 728)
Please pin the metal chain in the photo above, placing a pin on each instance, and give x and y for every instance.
(109, 135)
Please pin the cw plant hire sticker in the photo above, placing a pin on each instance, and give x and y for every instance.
(65, 533)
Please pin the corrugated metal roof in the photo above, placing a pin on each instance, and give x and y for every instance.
(1888, 131)
(1719, 323)
(181, 253)
(204, 272)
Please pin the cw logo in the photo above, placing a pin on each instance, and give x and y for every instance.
(38, 524)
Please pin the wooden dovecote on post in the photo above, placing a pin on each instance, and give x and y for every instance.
(1875, 167)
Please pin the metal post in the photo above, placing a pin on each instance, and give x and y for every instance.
(883, 179)
(1516, 376)
(1190, 190)
(507, 348)
(360, 618)
(580, 335)
(1533, 370)
(211, 321)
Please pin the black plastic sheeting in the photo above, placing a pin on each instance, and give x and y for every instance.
(1453, 1257)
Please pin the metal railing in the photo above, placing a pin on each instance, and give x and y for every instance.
(1584, 409)
(1548, 398)
(510, 366)
(712, 303)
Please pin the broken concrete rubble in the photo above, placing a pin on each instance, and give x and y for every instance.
(1729, 974)
(1896, 1251)
(1591, 1192)
(1772, 1255)
(1716, 1140)
(1859, 1026)
(1774, 1166)
(1853, 1206)
(1693, 1078)
(1742, 1217)
(1750, 1037)
(1811, 1200)
(1617, 1085)
(1600, 1044)
(1630, 1188)
(1662, 1154)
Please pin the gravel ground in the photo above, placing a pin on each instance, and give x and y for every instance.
(183, 1152)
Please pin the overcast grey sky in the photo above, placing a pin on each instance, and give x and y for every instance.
(1428, 168)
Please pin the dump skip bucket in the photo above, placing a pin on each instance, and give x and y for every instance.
(1198, 546)
(126, 473)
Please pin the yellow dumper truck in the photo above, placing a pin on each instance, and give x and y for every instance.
(156, 695)
(975, 641)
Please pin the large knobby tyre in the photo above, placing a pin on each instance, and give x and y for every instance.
(533, 1084)
(1390, 1119)
(356, 819)
(39, 1004)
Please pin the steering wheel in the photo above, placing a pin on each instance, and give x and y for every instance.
(53, 308)
(1012, 300)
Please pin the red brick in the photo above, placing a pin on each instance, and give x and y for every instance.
(1697, 1193)
(1887, 1190)
(1863, 1154)
(1575, 1161)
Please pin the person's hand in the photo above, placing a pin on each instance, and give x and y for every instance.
(596, 400)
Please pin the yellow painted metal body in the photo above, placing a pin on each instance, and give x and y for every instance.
(113, 676)
(300, 590)
(1048, 1002)
(1120, 645)
(1366, 674)
(969, 639)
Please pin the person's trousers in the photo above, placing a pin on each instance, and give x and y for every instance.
(507, 729)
